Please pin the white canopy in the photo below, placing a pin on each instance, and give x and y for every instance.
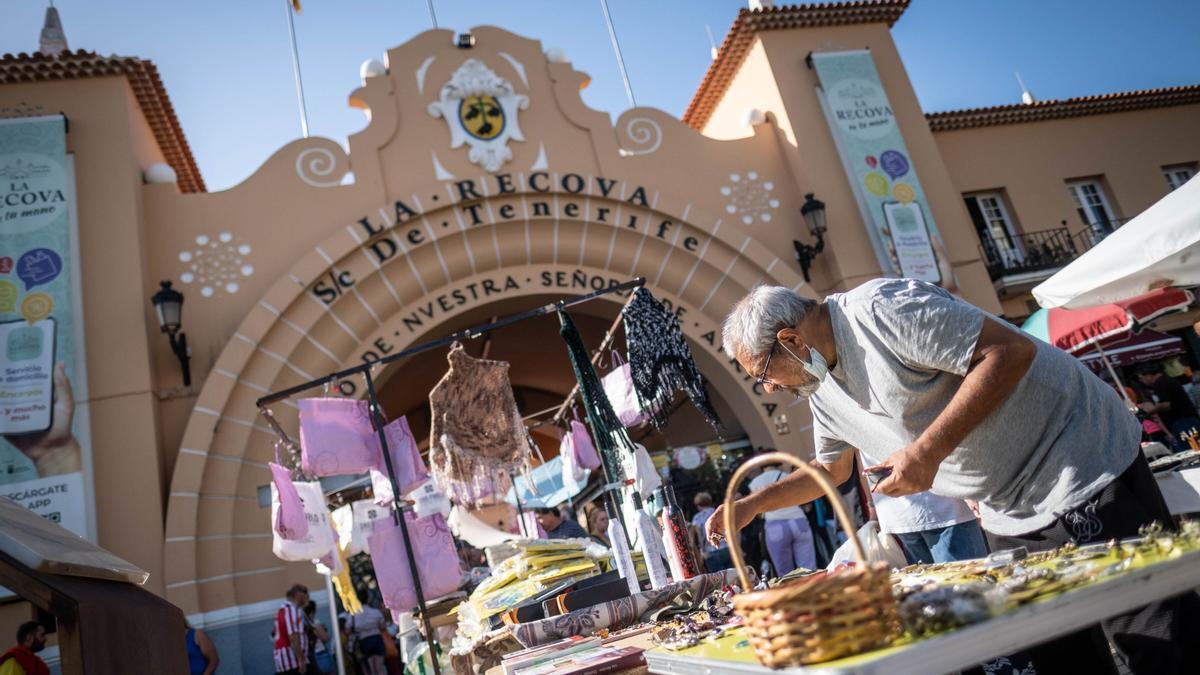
(1161, 244)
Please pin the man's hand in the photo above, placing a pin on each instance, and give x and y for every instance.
(912, 470)
(715, 527)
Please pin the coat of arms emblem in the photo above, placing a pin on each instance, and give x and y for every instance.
(480, 107)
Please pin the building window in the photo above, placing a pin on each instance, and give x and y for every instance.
(1093, 205)
(995, 229)
(1178, 174)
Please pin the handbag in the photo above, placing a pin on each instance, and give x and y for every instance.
(585, 451)
(406, 462)
(319, 539)
(572, 473)
(433, 552)
(365, 513)
(336, 437)
(618, 387)
(287, 511)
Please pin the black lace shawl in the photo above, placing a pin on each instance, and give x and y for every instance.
(660, 361)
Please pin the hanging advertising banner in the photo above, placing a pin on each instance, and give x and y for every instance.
(877, 164)
(42, 438)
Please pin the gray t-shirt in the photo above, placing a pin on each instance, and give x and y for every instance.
(903, 347)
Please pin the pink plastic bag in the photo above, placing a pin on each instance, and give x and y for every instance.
(435, 555)
(581, 443)
(406, 460)
(618, 387)
(290, 522)
(336, 437)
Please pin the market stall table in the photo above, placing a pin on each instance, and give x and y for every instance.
(960, 649)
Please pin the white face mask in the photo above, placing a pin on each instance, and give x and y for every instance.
(818, 368)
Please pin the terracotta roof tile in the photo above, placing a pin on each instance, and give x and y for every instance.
(1071, 107)
(748, 23)
(143, 79)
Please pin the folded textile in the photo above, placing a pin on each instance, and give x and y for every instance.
(619, 613)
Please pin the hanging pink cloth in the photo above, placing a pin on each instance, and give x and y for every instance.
(433, 549)
(336, 437)
(406, 460)
(290, 522)
(585, 452)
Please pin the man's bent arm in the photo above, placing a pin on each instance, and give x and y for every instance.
(1001, 358)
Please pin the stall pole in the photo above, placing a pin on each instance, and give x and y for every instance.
(333, 626)
(398, 515)
(520, 512)
(1112, 371)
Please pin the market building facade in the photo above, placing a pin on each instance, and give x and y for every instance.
(482, 185)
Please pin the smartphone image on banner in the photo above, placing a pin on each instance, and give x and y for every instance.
(910, 241)
(27, 385)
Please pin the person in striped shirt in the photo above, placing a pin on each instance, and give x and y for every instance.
(291, 642)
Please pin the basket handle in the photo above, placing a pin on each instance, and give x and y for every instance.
(739, 562)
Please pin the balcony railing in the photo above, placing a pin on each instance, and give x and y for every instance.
(1037, 251)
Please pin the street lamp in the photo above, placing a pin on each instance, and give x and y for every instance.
(814, 215)
(168, 304)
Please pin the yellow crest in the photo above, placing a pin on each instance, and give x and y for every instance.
(481, 116)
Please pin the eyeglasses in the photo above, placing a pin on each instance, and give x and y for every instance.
(762, 375)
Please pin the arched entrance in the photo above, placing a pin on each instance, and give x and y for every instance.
(378, 286)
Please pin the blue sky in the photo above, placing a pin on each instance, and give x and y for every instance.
(227, 64)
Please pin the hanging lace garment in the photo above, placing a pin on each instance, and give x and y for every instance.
(661, 362)
(612, 438)
(476, 430)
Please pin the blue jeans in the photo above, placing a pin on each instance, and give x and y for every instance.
(963, 541)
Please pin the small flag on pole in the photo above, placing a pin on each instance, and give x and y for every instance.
(296, 6)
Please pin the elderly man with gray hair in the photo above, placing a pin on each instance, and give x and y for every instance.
(945, 397)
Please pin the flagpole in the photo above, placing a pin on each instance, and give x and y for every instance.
(612, 35)
(432, 14)
(296, 69)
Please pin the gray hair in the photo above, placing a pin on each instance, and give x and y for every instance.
(755, 320)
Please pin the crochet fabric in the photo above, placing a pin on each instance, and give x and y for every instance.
(476, 430)
(611, 436)
(660, 361)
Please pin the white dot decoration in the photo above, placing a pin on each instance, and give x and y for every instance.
(748, 196)
(217, 263)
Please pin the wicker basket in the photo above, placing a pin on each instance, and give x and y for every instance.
(820, 618)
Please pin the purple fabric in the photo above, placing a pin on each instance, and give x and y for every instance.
(790, 545)
(336, 437)
(618, 387)
(406, 460)
(585, 452)
(290, 522)
(434, 552)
